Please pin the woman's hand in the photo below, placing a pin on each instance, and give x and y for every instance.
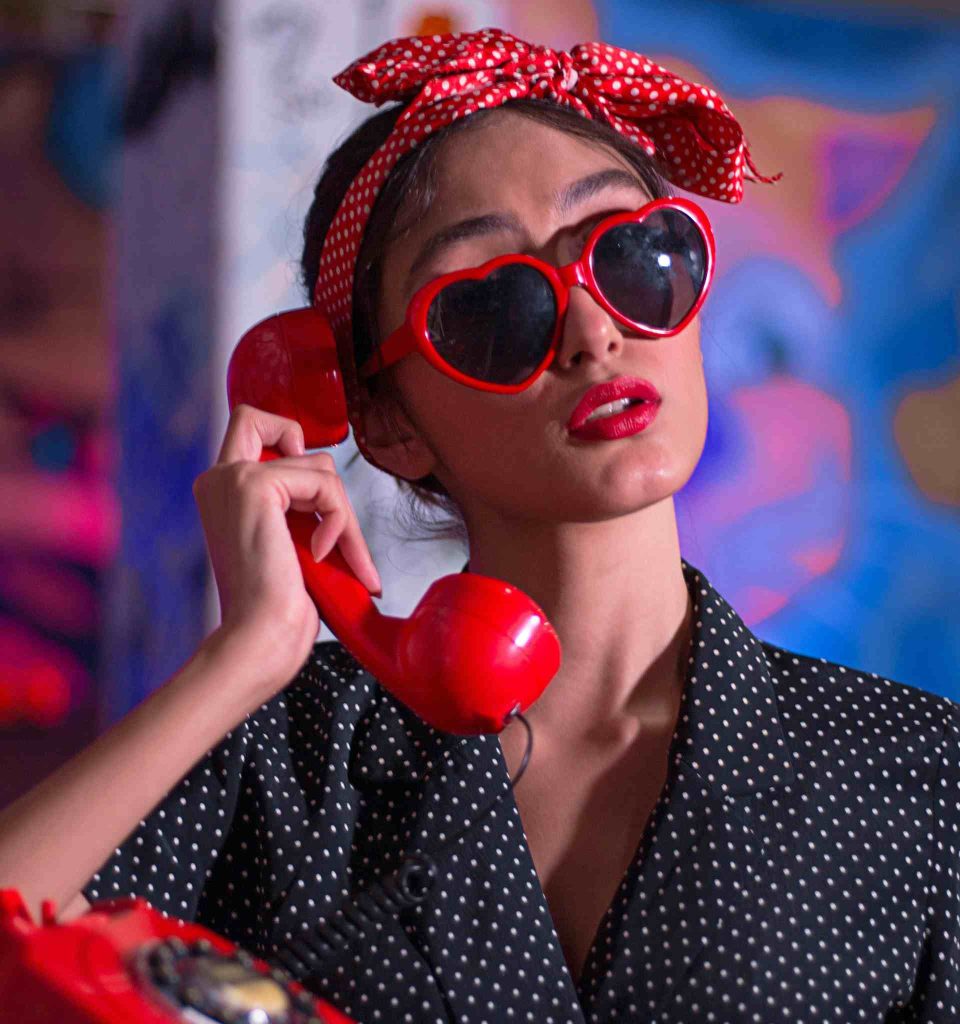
(243, 504)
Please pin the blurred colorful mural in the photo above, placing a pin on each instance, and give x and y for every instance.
(108, 172)
(59, 513)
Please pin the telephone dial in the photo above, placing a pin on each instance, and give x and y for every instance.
(476, 649)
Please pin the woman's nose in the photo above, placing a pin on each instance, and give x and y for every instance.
(587, 328)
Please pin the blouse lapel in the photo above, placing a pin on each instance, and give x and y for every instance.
(485, 924)
(691, 889)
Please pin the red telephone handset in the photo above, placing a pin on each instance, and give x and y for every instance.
(475, 648)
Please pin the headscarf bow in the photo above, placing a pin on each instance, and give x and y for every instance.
(701, 144)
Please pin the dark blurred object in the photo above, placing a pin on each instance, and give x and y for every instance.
(878, 8)
(177, 49)
(55, 23)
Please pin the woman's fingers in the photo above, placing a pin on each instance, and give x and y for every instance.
(341, 527)
(243, 500)
(303, 486)
(251, 430)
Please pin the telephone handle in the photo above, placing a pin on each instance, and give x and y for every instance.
(475, 649)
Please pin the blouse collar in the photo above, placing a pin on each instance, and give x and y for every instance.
(729, 730)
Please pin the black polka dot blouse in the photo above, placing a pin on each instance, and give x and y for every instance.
(801, 863)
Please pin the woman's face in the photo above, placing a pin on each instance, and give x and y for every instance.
(511, 455)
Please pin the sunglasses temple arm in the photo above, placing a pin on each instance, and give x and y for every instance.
(392, 350)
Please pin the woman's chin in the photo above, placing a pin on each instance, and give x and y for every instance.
(599, 502)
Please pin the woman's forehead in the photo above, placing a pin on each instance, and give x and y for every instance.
(514, 160)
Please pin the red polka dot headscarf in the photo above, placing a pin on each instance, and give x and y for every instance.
(698, 142)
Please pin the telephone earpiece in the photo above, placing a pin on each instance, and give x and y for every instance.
(475, 648)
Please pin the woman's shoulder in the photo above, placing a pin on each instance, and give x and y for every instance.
(326, 701)
(329, 676)
(331, 669)
(842, 711)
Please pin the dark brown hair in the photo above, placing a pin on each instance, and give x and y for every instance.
(405, 197)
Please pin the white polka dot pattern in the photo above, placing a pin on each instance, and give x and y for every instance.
(801, 863)
(699, 143)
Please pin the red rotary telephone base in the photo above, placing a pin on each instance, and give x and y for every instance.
(123, 961)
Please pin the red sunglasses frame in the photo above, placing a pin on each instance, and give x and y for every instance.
(412, 334)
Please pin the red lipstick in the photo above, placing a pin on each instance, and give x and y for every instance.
(644, 399)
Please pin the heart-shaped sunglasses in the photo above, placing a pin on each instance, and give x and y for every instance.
(496, 327)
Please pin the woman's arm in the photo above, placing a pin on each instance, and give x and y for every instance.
(57, 835)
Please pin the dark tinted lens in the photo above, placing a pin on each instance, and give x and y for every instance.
(498, 329)
(652, 271)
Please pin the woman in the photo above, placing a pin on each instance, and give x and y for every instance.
(711, 828)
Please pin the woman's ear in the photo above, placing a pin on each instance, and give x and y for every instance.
(393, 440)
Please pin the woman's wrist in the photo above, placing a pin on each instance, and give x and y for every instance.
(246, 664)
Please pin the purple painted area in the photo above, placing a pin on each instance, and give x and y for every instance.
(861, 171)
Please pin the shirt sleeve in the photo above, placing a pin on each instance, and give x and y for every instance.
(169, 856)
(936, 997)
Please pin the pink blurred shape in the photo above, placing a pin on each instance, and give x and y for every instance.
(756, 603)
(861, 170)
(790, 426)
(820, 559)
(38, 680)
(59, 514)
(776, 515)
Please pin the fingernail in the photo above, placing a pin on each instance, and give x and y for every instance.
(314, 548)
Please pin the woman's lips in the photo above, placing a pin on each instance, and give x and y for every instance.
(614, 427)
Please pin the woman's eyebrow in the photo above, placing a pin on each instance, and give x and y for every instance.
(564, 200)
(585, 188)
(473, 227)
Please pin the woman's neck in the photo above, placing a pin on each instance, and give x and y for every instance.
(615, 593)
